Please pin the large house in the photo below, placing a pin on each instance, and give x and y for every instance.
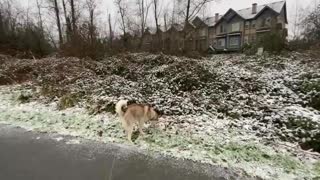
(229, 31)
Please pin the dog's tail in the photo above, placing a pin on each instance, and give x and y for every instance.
(120, 106)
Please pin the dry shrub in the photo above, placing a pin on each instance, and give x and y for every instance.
(83, 45)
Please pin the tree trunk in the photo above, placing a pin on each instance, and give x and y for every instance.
(185, 25)
(73, 16)
(40, 16)
(91, 28)
(41, 27)
(165, 21)
(67, 19)
(156, 18)
(188, 11)
(110, 31)
(56, 8)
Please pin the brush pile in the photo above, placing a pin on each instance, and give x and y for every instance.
(279, 95)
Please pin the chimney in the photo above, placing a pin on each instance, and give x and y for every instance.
(254, 8)
(216, 17)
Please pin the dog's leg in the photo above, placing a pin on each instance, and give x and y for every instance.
(129, 132)
(141, 128)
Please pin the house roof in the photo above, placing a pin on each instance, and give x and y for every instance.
(178, 27)
(247, 12)
(243, 13)
(153, 30)
(211, 21)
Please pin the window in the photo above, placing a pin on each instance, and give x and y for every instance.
(221, 42)
(221, 28)
(247, 24)
(253, 24)
(263, 22)
(235, 27)
(202, 32)
(268, 21)
(234, 41)
(279, 19)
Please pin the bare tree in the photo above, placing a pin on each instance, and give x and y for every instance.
(67, 19)
(39, 15)
(40, 26)
(194, 7)
(122, 10)
(57, 12)
(188, 11)
(110, 31)
(157, 12)
(165, 21)
(296, 23)
(91, 5)
(143, 10)
(312, 26)
(73, 16)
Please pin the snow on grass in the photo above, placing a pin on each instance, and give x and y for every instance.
(203, 138)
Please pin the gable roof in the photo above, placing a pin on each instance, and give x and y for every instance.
(211, 21)
(275, 6)
(153, 30)
(246, 13)
(208, 21)
(177, 27)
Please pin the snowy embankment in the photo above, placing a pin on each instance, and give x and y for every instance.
(242, 112)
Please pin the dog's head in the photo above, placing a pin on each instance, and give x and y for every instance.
(155, 114)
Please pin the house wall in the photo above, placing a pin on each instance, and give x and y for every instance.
(236, 24)
(201, 39)
(186, 38)
(235, 20)
(211, 36)
(282, 18)
(266, 20)
(203, 36)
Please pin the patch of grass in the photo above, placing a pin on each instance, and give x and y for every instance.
(311, 86)
(24, 97)
(308, 86)
(317, 168)
(232, 152)
(252, 153)
(51, 91)
(68, 101)
(101, 106)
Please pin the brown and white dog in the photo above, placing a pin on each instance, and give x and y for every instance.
(135, 114)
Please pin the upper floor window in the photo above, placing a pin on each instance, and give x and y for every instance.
(268, 21)
(247, 24)
(221, 28)
(253, 23)
(235, 27)
(279, 19)
(263, 22)
(202, 32)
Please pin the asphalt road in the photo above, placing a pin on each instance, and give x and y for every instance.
(36, 156)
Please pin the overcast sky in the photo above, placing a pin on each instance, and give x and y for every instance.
(221, 6)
